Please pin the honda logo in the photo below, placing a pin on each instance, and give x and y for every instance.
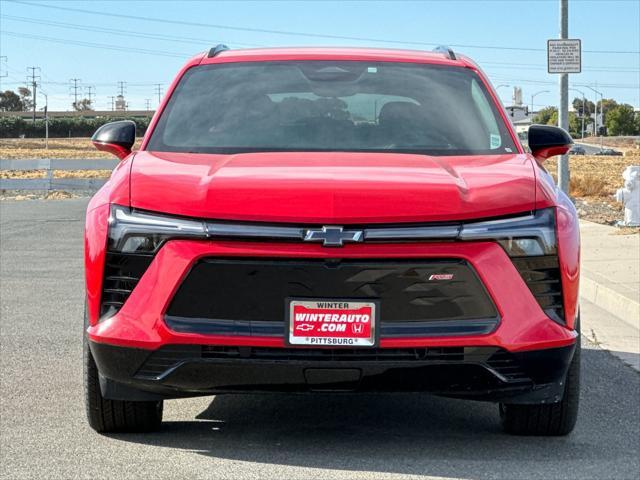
(333, 236)
(357, 328)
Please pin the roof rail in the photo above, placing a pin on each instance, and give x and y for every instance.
(217, 49)
(446, 50)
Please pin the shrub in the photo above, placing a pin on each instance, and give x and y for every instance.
(60, 127)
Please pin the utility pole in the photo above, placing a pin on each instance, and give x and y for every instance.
(584, 100)
(90, 94)
(159, 92)
(34, 86)
(46, 120)
(534, 96)
(563, 111)
(147, 102)
(595, 120)
(75, 86)
(3, 59)
(121, 86)
(113, 99)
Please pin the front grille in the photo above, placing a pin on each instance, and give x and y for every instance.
(168, 357)
(542, 275)
(121, 274)
(255, 290)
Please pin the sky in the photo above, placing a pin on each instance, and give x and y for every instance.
(144, 43)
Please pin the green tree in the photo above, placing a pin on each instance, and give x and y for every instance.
(575, 123)
(83, 105)
(10, 102)
(25, 98)
(620, 120)
(589, 107)
(544, 115)
(605, 105)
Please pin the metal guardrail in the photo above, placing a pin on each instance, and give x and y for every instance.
(50, 165)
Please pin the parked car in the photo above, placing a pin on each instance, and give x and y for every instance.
(332, 220)
(609, 151)
(577, 150)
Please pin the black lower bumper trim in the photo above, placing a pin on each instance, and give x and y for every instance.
(481, 373)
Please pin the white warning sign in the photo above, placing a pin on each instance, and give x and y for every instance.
(564, 56)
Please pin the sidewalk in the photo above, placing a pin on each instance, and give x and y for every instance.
(610, 280)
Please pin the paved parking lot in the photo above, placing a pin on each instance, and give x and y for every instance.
(43, 433)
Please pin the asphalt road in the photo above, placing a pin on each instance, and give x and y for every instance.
(43, 433)
(589, 149)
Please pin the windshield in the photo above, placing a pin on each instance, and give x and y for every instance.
(331, 106)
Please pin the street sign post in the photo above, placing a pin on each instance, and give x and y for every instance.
(564, 56)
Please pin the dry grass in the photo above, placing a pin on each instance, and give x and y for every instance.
(28, 174)
(621, 143)
(627, 231)
(24, 174)
(81, 173)
(588, 186)
(58, 148)
(593, 176)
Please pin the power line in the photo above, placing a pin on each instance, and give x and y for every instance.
(154, 36)
(96, 45)
(504, 65)
(205, 42)
(302, 34)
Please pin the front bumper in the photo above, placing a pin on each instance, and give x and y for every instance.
(141, 322)
(540, 347)
(483, 373)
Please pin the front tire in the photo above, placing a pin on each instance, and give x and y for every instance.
(111, 416)
(554, 419)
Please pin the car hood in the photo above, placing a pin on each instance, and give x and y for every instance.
(332, 187)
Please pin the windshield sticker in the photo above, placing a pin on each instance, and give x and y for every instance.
(372, 69)
(494, 141)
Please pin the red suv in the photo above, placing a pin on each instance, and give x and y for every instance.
(332, 220)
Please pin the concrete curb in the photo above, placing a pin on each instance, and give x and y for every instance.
(608, 299)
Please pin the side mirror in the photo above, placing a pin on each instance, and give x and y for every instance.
(116, 137)
(546, 141)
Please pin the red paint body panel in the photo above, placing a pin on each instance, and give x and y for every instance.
(333, 187)
(140, 322)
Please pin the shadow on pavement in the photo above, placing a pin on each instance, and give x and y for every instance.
(417, 434)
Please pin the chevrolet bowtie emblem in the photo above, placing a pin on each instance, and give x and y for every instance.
(333, 236)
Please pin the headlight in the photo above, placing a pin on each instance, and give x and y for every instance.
(530, 235)
(138, 232)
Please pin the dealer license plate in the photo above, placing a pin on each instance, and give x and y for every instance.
(331, 323)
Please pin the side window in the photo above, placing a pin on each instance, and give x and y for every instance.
(486, 113)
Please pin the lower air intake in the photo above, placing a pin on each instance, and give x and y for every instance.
(542, 275)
